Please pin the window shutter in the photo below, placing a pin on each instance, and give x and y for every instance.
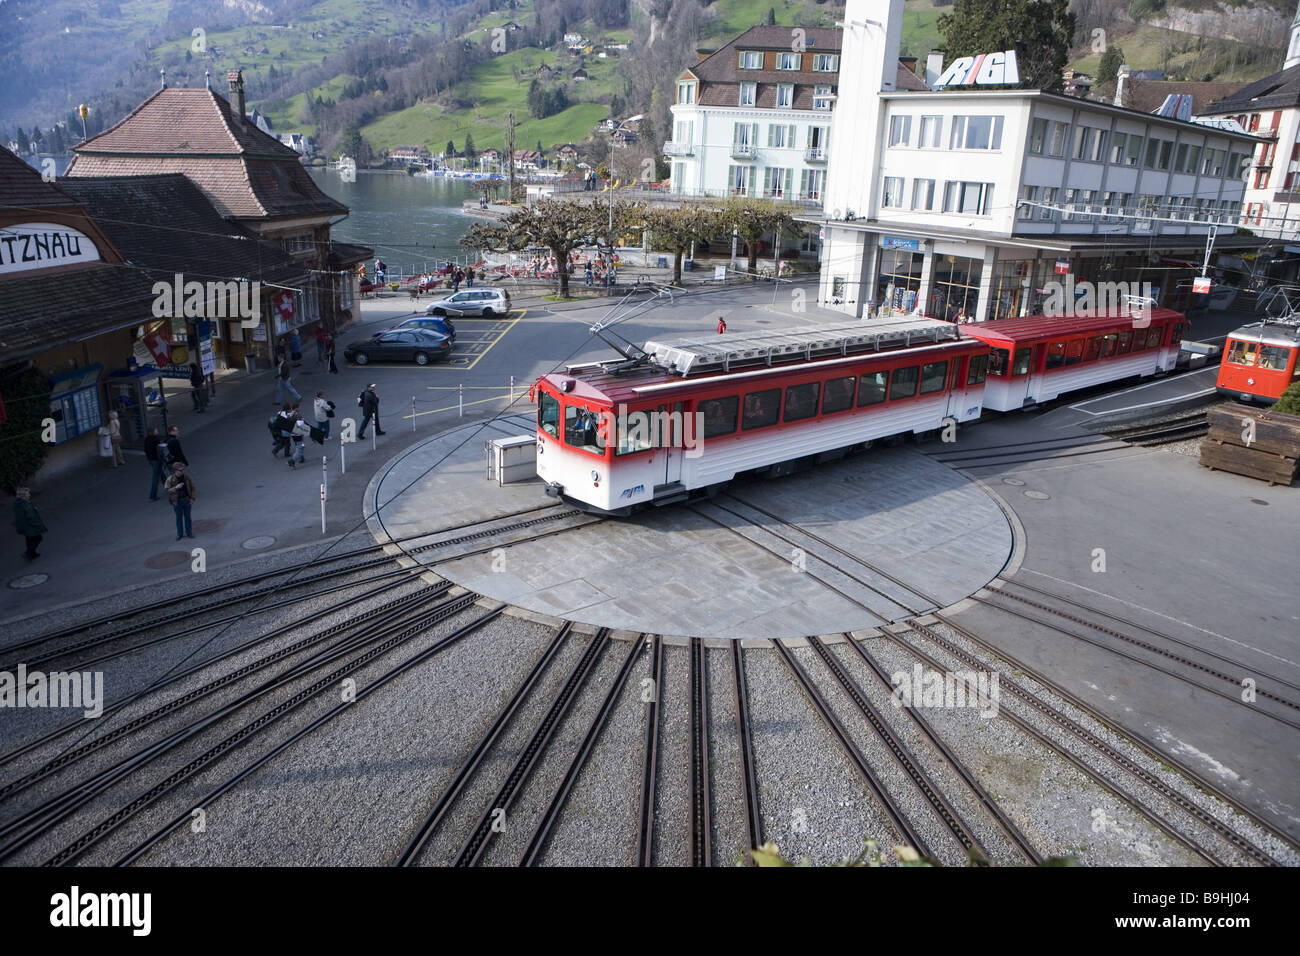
(803, 182)
(771, 132)
(789, 182)
(789, 136)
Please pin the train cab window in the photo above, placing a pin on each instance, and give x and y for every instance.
(1125, 343)
(1074, 352)
(1236, 352)
(1273, 357)
(934, 375)
(584, 429)
(979, 366)
(720, 415)
(636, 432)
(548, 414)
(1021, 365)
(871, 388)
(904, 383)
(998, 361)
(1056, 355)
(1093, 350)
(801, 401)
(761, 409)
(838, 395)
(1154, 335)
(1177, 335)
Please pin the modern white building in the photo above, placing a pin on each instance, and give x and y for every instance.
(753, 118)
(971, 199)
(1270, 108)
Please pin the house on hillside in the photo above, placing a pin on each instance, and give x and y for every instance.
(1076, 83)
(580, 74)
(490, 155)
(527, 160)
(573, 39)
(406, 155)
(567, 154)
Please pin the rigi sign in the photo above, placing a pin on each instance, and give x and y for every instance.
(983, 69)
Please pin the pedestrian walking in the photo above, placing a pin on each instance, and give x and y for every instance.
(469, 278)
(298, 433)
(457, 279)
(329, 353)
(180, 492)
(324, 411)
(321, 336)
(113, 432)
(722, 325)
(151, 444)
(295, 348)
(369, 403)
(27, 520)
(173, 452)
(588, 272)
(280, 425)
(284, 381)
(198, 388)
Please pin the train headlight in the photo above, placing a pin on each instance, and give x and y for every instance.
(595, 477)
(1250, 381)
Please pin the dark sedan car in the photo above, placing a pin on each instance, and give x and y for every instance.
(400, 345)
(439, 324)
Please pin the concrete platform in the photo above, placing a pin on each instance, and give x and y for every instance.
(851, 545)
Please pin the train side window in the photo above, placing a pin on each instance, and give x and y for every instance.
(1021, 364)
(548, 414)
(1093, 351)
(1154, 335)
(1139, 340)
(998, 360)
(1177, 335)
(720, 416)
(1074, 352)
(1125, 342)
(1056, 355)
(979, 366)
(801, 401)
(838, 395)
(934, 375)
(1273, 357)
(904, 383)
(761, 409)
(871, 388)
(1109, 343)
(636, 432)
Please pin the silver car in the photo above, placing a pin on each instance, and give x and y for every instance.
(486, 302)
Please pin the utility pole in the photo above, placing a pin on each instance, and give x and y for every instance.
(510, 157)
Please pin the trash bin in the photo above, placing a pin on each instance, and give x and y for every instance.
(663, 262)
(250, 362)
(686, 266)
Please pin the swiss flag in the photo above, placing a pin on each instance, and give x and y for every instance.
(283, 304)
(160, 347)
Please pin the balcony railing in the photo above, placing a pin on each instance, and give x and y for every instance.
(814, 154)
(742, 151)
(679, 149)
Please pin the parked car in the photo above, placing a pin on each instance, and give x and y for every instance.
(434, 323)
(486, 302)
(400, 345)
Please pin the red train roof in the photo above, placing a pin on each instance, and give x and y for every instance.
(1030, 328)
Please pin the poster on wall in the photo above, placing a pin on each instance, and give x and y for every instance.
(259, 332)
(207, 357)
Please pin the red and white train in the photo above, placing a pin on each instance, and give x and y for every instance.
(1259, 361)
(696, 412)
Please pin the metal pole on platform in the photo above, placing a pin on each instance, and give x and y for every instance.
(461, 393)
(374, 433)
(343, 454)
(412, 413)
(512, 389)
(322, 509)
(324, 472)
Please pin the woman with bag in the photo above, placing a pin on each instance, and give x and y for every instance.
(324, 409)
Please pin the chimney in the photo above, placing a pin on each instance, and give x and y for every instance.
(703, 53)
(1121, 85)
(162, 78)
(236, 80)
(207, 79)
(909, 62)
(933, 67)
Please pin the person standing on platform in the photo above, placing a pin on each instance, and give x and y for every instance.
(198, 388)
(295, 348)
(27, 520)
(174, 453)
(722, 325)
(115, 439)
(151, 443)
(321, 336)
(370, 408)
(180, 491)
(329, 353)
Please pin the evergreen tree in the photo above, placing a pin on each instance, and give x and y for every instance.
(1111, 61)
(771, 16)
(470, 152)
(1040, 31)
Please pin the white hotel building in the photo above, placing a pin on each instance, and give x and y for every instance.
(931, 202)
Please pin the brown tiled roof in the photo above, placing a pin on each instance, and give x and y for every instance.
(21, 185)
(1146, 96)
(40, 313)
(243, 171)
(166, 225)
(346, 254)
(1276, 91)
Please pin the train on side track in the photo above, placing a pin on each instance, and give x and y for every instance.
(679, 419)
(1260, 361)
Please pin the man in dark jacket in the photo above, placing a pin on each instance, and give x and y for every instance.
(284, 380)
(151, 443)
(370, 409)
(198, 388)
(28, 521)
(174, 451)
(180, 489)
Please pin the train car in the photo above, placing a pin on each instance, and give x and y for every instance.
(1036, 358)
(1259, 361)
(689, 415)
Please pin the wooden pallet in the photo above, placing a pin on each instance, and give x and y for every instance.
(1270, 454)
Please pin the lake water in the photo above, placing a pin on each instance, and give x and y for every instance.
(410, 221)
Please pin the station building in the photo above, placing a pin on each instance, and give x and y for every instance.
(966, 201)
